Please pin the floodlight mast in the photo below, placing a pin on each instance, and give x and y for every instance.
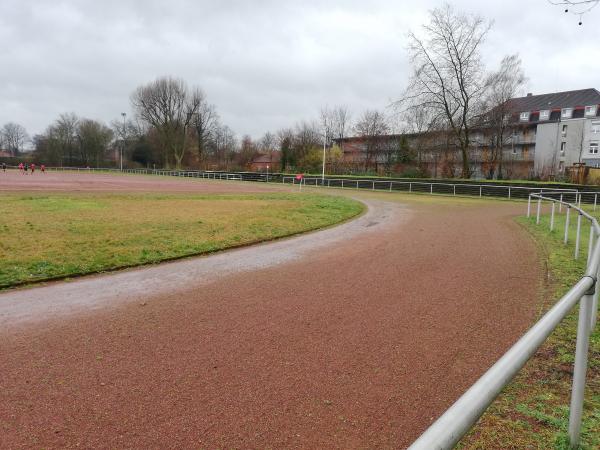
(123, 143)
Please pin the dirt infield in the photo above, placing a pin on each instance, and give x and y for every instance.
(359, 343)
(12, 180)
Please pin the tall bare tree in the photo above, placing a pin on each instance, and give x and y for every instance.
(223, 146)
(307, 136)
(13, 136)
(167, 105)
(501, 86)
(448, 72)
(335, 122)
(373, 127)
(205, 122)
(64, 132)
(285, 138)
(93, 139)
(340, 123)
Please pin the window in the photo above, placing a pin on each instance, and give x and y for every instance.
(545, 114)
(564, 131)
(524, 116)
(594, 147)
(595, 127)
(591, 110)
(566, 113)
(563, 148)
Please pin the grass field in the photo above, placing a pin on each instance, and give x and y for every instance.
(61, 235)
(533, 411)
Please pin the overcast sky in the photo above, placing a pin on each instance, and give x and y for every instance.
(264, 64)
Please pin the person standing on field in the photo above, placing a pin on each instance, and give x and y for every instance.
(32, 168)
(21, 168)
(43, 168)
(3, 167)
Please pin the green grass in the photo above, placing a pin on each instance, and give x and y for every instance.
(53, 236)
(533, 411)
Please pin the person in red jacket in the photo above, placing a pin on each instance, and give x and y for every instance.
(32, 168)
(21, 168)
(43, 168)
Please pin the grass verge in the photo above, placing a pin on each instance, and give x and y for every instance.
(45, 237)
(533, 411)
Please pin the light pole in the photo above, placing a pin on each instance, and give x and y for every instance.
(123, 143)
(324, 144)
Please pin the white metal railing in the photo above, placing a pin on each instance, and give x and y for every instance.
(446, 431)
(433, 187)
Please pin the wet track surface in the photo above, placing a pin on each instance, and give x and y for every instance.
(353, 337)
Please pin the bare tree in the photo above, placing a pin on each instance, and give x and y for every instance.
(205, 122)
(14, 137)
(268, 143)
(64, 132)
(223, 146)
(341, 122)
(93, 139)
(334, 123)
(248, 151)
(501, 86)
(285, 138)
(306, 138)
(421, 122)
(167, 105)
(373, 127)
(448, 72)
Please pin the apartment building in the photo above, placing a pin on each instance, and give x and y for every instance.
(564, 129)
(545, 134)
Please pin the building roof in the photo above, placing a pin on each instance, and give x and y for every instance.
(265, 158)
(567, 99)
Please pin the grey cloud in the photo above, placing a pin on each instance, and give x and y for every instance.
(265, 64)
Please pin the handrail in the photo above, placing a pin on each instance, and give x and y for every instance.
(449, 428)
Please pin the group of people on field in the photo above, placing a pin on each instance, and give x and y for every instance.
(25, 168)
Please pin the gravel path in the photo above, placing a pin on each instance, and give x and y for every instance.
(354, 337)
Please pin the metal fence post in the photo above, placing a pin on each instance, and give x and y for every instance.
(431, 189)
(356, 184)
(577, 236)
(480, 190)
(560, 204)
(528, 205)
(391, 186)
(595, 201)
(552, 217)
(580, 368)
(567, 224)
(509, 194)
(373, 186)
(409, 187)
(539, 208)
(454, 188)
